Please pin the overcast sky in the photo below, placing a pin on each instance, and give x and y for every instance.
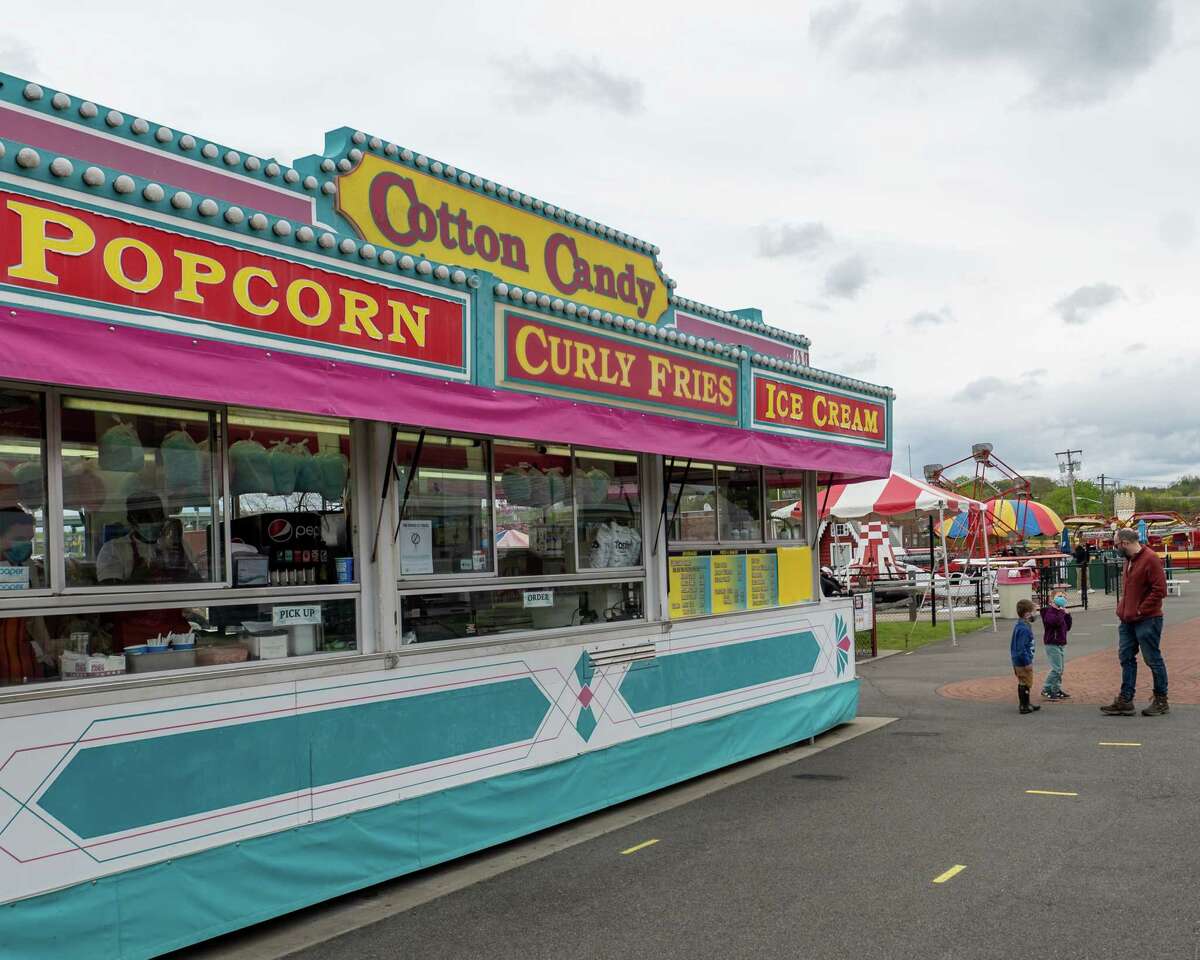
(990, 206)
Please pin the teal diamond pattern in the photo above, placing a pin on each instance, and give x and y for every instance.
(585, 723)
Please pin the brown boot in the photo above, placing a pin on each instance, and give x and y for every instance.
(1118, 708)
(1158, 706)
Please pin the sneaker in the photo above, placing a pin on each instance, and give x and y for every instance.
(1118, 708)
(1158, 707)
(1047, 694)
(1063, 695)
(1056, 695)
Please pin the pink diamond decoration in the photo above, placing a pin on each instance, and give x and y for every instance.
(585, 696)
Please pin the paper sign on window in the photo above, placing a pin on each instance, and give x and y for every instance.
(416, 547)
(539, 598)
(296, 615)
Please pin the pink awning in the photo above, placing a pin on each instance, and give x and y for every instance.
(51, 348)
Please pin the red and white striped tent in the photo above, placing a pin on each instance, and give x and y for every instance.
(894, 496)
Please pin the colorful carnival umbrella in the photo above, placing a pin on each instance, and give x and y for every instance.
(1004, 517)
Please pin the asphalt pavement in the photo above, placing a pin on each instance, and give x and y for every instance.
(836, 855)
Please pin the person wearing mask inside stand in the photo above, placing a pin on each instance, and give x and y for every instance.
(22, 639)
(152, 551)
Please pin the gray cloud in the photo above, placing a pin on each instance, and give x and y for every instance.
(1075, 51)
(803, 240)
(1121, 433)
(847, 277)
(1177, 229)
(1084, 303)
(853, 364)
(983, 388)
(827, 23)
(929, 318)
(534, 87)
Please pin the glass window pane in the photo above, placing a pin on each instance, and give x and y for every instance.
(535, 525)
(137, 493)
(609, 510)
(289, 476)
(78, 646)
(695, 492)
(785, 503)
(739, 503)
(448, 518)
(22, 491)
(455, 616)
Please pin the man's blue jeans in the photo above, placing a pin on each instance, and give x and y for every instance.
(1141, 635)
(1054, 656)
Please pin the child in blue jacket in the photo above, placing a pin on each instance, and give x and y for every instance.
(1021, 649)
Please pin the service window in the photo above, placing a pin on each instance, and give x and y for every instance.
(289, 480)
(535, 522)
(22, 491)
(785, 503)
(476, 613)
(446, 510)
(608, 510)
(91, 645)
(138, 487)
(692, 501)
(739, 503)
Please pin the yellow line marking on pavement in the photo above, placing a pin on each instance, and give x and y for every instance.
(1119, 743)
(1052, 793)
(640, 846)
(954, 871)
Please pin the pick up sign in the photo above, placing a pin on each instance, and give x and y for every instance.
(296, 615)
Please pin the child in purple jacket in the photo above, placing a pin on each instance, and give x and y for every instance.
(1057, 622)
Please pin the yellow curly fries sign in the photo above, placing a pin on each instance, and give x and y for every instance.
(395, 206)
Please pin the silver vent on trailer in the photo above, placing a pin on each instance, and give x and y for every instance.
(615, 656)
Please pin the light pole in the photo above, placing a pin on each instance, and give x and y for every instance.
(1068, 462)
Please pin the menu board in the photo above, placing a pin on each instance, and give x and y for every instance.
(728, 583)
(690, 583)
(762, 581)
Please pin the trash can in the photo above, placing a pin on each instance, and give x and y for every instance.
(1013, 586)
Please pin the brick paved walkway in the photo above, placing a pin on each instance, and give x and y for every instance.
(1096, 677)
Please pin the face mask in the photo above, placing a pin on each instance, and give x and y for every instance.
(149, 532)
(1060, 601)
(19, 553)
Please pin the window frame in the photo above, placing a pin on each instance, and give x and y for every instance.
(719, 547)
(217, 493)
(493, 576)
(58, 687)
(805, 541)
(58, 598)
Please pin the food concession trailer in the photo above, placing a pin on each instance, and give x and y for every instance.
(360, 513)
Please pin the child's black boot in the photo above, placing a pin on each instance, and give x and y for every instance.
(1023, 696)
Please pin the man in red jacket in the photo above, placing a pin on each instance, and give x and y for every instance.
(1141, 615)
